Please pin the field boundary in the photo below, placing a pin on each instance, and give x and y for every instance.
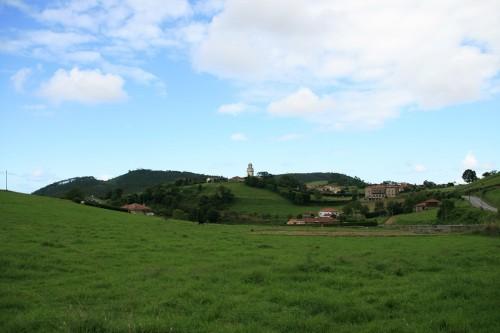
(381, 231)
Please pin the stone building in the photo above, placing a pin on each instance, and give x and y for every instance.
(250, 170)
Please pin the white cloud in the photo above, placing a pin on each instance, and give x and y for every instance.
(470, 161)
(429, 55)
(289, 137)
(19, 78)
(360, 109)
(238, 137)
(233, 109)
(419, 168)
(85, 86)
(301, 103)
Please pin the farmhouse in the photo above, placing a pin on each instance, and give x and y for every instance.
(330, 188)
(377, 192)
(136, 208)
(328, 212)
(313, 221)
(431, 203)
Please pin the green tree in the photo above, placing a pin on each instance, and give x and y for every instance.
(445, 210)
(469, 176)
(213, 216)
(75, 194)
(379, 206)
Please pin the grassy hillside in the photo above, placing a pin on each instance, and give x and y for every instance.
(425, 217)
(71, 268)
(488, 188)
(255, 200)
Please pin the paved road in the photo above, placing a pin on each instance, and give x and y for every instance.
(477, 202)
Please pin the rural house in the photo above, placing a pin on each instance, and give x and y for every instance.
(431, 203)
(136, 208)
(378, 192)
(328, 212)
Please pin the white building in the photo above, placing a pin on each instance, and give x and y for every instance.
(250, 170)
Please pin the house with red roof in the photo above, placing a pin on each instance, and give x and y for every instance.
(136, 208)
(427, 204)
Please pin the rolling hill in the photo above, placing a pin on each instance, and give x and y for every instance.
(261, 201)
(138, 180)
(66, 267)
(131, 182)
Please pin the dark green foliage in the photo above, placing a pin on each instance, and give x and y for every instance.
(469, 176)
(445, 210)
(75, 194)
(331, 177)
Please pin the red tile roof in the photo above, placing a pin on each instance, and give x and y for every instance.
(136, 207)
(328, 210)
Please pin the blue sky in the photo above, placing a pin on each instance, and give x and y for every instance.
(403, 91)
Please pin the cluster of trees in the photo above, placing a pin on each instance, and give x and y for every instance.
(179, 201)
(285, 185)
(470, 175)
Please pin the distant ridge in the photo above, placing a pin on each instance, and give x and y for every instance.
(131, 182)
(331, 177)
(138, 180)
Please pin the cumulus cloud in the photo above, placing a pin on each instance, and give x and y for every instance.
(470, 161)
(19, 78)
(85, 86)
(428, 55)
(360, 109)
(238, 137)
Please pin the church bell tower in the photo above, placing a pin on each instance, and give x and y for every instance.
(250, 170)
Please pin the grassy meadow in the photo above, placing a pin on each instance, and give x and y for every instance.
(66, 267)
(428, 216)
(255, 200)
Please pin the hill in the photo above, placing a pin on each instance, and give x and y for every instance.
(330, 177)
(66, 267)
(131, 182)
(261, 201)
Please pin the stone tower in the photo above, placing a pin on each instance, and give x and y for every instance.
(250, 170)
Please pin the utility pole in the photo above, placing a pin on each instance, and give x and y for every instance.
(5, 180)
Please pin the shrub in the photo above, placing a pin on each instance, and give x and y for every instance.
(179, 214)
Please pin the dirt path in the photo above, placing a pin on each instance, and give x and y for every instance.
(390, 220)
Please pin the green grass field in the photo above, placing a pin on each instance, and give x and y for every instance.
(66, 267)
(255, 200)
(428, 216)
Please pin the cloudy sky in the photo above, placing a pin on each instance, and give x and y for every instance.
(400, 90)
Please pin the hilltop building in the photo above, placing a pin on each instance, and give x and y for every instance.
(250, 170)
